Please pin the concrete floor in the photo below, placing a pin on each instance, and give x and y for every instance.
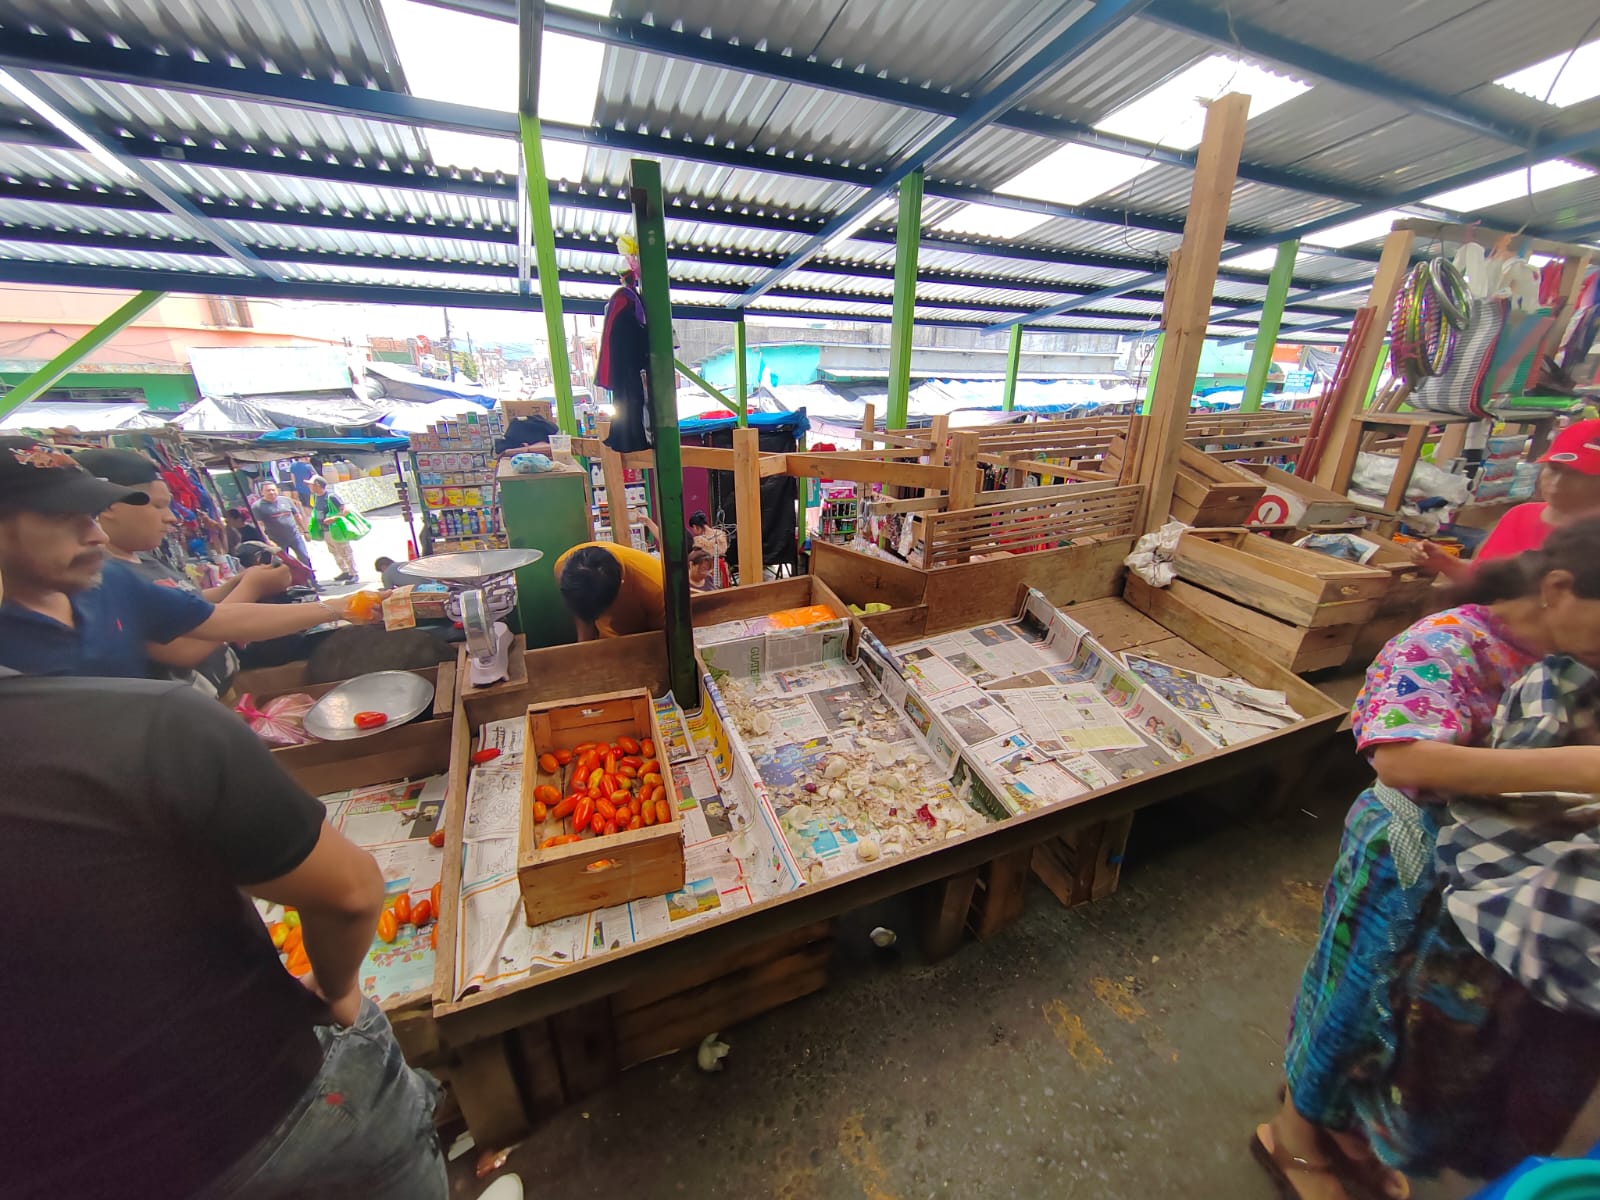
(1123, 1049)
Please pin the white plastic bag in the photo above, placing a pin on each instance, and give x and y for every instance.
(1152, 556)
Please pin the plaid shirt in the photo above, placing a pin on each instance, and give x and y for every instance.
(1523, 883)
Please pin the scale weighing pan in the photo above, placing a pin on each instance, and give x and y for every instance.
(399, 695)
(469, 566)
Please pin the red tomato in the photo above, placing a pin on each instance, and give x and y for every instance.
(628, 745)
(540, 812)
(610, 828)
(565, 807)
(388, 927)
(563, 757)
(647, 748)
(370, 720)
(582, 813)
(422, 913)
(548, 764)
(402, 908)
(436, 838)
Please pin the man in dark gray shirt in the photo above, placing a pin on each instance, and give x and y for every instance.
(162, 1049)
(280, 521)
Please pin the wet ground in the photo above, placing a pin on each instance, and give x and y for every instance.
(1122, 1049)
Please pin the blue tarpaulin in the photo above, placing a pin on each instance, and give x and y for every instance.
(794, 422)
(291, 439)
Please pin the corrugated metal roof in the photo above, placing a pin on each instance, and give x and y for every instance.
(328, 196)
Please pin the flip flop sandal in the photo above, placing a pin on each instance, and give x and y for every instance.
(1362, 1177)
(1278, 1162)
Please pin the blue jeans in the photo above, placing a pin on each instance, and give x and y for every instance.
(363, 1128)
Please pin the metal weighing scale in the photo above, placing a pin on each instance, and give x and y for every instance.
(482, 590)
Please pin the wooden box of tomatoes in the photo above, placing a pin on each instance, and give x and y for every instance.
(600, 821)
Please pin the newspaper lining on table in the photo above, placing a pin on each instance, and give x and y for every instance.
(392, 821)
(1006, 718)
(802, 710)
(730, 862)
(1042, 713)
(1226, 712)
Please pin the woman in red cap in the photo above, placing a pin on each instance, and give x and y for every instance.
(1570, 485)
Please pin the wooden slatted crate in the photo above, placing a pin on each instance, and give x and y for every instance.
(1082, 511)
(595, 872)
(1302, 587)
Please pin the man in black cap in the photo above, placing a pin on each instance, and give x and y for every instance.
(68, 610)
(163, 1049)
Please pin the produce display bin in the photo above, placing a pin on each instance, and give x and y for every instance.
(1302, 587)
(1209, 492)
(597, 871)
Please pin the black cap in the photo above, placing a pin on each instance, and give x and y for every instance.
(36, 477)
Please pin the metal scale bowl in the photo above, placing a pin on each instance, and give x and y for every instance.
(469, 575)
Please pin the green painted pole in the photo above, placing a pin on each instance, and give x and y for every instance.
(650, 228)
(1013, 361)
(740, 374)
(544, 249)
(715, 393)
(1378, 369)
(1155, 366)
(47, 376)
(907, 240)
(1255, 383)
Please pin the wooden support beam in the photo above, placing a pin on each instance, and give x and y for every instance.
(747, 502)
(963, 469)
(1343, 437)
(856, 470)
(620, 515)
(869, 426)
(1188, 303)
(940, 433)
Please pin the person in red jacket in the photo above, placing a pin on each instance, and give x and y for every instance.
(1570, 487)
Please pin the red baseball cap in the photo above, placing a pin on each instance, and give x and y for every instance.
(1577, 446)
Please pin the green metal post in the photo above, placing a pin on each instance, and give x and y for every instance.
(47, 376)
(1013, 361)
(1155, 367)
(544, 249)
(699, 381)
(1378, 369)
(1255, 383)
(650, 227)
(740, 375)
(907, 240)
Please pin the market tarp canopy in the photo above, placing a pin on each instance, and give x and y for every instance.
(414, 418)
(402, 383)
(224, 415)
(86, 418)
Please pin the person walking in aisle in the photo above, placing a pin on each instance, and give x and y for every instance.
(324, 506)
(215, 1073)
(283, 523)
(1407, 1051)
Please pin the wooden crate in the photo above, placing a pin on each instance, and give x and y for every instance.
(1291, 500)
(1297, 647)
(1083, 511)
(597, 872)
(1302, 587)
(675, 1011)
(1086, 864)
(1411, 587)
(1209, 493)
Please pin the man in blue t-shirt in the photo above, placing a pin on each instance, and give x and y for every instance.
(68, 610)
(302, 472)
